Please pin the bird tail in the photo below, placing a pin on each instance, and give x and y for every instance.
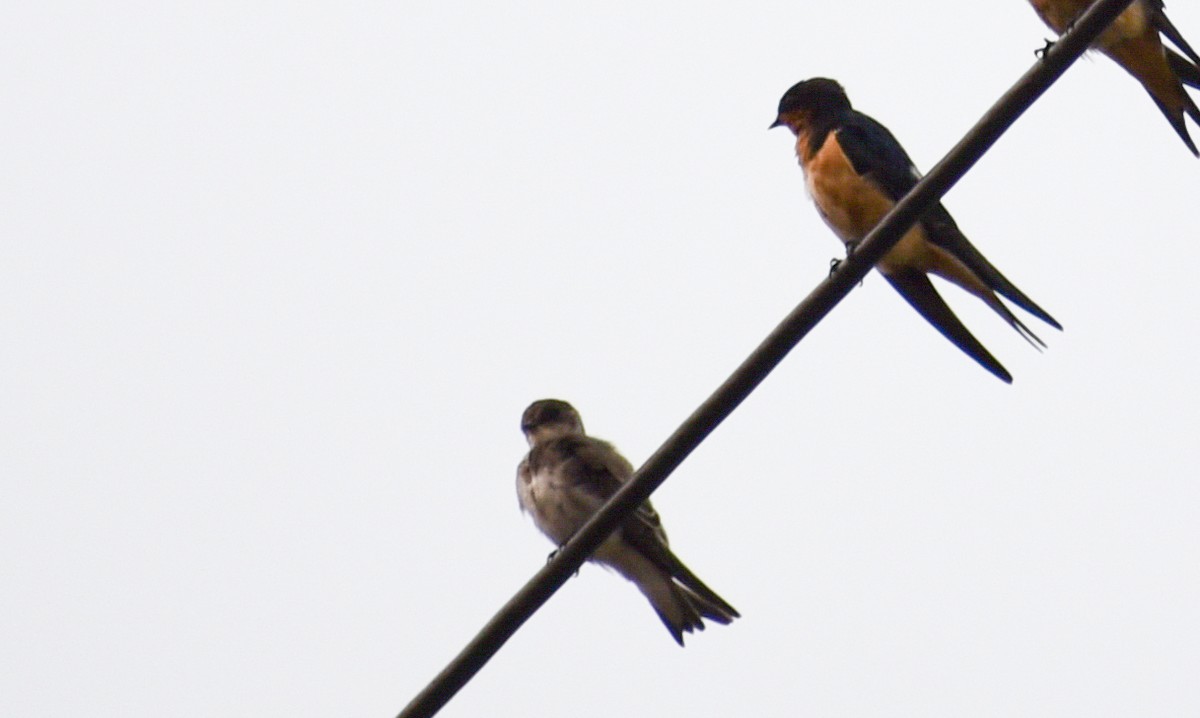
(1158, 69)
(706, 600)
(994, 282)
(993, 279)
(681, 609)
(1009, 291)
(1175, 117)
(673, 606)
(1005, 313)
(681, 600)
(920, 293)
(1168, 29)
(1187, 72)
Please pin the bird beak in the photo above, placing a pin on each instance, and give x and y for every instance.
(777, 123)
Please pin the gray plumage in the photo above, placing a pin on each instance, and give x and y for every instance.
(567, 476)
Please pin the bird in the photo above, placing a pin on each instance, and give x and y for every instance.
(567, 476)
(855, 171)
(1134, 41)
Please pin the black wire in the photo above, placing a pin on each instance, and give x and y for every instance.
(765, 358)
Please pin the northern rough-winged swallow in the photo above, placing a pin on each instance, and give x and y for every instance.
(567, 476)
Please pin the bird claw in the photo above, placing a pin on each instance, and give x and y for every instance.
(554, 553)
(835, 263)
(1040, 53)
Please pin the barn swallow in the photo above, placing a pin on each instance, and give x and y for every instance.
(1134, 41)
(567, 476)
(855, 171)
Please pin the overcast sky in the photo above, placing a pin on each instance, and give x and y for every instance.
(278, 280)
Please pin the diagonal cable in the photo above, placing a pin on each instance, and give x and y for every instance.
(765, 358)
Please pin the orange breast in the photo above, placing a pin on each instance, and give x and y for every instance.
(849, 203)
(852, 205)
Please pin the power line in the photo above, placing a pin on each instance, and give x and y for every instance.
(765, 358)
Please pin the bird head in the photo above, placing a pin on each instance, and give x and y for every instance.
(809, 100)
(548, 419)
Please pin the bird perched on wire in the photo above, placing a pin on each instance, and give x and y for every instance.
(1134, 41)
(856, 171)
(567, 476)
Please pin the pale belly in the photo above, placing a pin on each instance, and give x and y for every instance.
(560, 511)
(557, 509)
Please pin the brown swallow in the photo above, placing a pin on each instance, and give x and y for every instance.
(567, 476)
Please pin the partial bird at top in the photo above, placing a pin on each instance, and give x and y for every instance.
(1134, 41)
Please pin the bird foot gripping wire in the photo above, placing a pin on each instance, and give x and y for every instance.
(552, 554)
(837, 262)
(1040, 53)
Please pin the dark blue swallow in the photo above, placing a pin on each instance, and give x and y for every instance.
(856, 171)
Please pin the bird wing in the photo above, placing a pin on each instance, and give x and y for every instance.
(602, 473)
(877, 155)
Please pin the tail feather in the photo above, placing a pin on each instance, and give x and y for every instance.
(1189, 106)
(920, 293)
(999, 283)
(1168, 29)
(1006, 314)
(681, 600)
(706, 597)
(1010, 292)
(944, 232)
(1026, 333)
(673, 606)
(709, 610)
(1175, 117)
(1187, 72)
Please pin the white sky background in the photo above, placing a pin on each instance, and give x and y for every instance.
(279, 279)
